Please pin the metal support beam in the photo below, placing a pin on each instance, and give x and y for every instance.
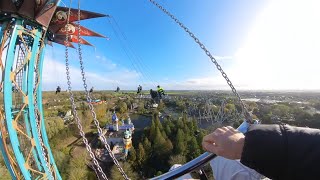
(7, 97)
(2, 140)
(24, 119)
(30, 95)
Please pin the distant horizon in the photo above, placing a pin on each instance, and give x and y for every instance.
(224, 90)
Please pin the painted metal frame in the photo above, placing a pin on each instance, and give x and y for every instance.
(2, 145)
(34, 59)
(30, 86)
(7, 97)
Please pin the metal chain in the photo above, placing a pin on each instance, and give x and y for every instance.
(74, 110)
(37, 116)
(89, 99)
(213, 60)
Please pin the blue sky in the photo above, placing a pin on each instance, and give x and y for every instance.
(164, 54)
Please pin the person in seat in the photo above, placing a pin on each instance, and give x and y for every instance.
(58, 90)
(154, 96)
(118, 89)
(139, 89)
(160, 91)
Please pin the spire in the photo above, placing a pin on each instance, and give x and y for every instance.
(129, 120)
(114, 117)
(115, 122)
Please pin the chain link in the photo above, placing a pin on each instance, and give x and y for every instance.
(37, 112)
(89, 99)
(74, 110)
(247, 115)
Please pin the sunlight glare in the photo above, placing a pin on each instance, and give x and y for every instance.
(282, 49)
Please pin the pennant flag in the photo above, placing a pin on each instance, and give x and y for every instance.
(45, 14)
(73, 39)
(73, 30)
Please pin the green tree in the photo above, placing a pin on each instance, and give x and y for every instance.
(61, 160)
(123, 107)
(193, 148)
(251, 105)
(177, 159)
(152, 134)
(168, 146)
(115, 174)
(132, 157)
(161, 106)
(159, 143)
(77, 167)
(147, 147)
(86, 118)
(141, 155)
(180, 124)
(280, 110)
(180, 144)
(157, 121)
(141, 108)
(168, 130)
(200, 136)
(54, 125)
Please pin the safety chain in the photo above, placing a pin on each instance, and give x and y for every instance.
(85, 140)
(37, 116)
(89, 99)
(213, 60)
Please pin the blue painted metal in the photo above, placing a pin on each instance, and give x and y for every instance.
(24, 89)
(7, 90)
(31, 108)
(43, 128)
(3, 151)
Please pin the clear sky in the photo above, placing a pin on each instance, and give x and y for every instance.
(265, 45)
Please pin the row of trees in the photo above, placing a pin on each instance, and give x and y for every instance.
(293, 114)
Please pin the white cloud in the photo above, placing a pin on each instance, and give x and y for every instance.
(199, 83)
(54, 74)
(106, 63)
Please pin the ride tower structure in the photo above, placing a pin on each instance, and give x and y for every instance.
(27, 26)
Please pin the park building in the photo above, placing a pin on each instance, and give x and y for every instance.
(119, 137)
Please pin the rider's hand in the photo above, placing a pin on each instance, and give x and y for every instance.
(226, 142)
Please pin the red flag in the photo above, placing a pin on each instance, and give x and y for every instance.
(61, 15)
(73, 30)
(45, 14)
(72, 38)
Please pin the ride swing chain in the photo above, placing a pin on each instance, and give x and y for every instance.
(247, 115)
(85, 140)
(37, 112)
(89, 99)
